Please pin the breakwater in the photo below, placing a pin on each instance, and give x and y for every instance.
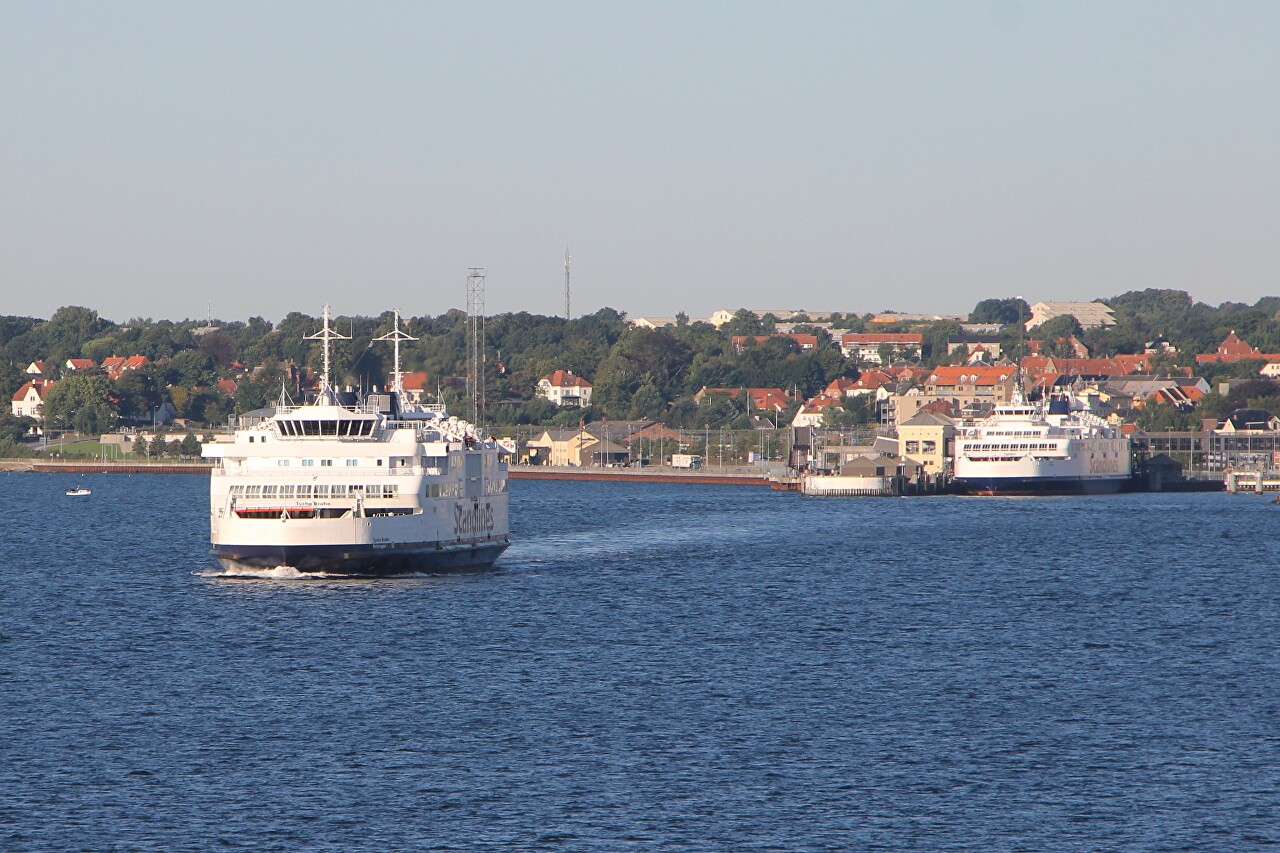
(64, 467)
(654, 474)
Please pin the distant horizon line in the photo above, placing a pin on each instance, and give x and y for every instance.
(629, 315)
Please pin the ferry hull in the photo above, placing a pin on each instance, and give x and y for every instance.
(1029, 486)
(361, 560)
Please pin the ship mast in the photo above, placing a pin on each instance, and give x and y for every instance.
(396, 336)
(327, 335)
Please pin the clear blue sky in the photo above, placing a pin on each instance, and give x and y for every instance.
(693, 156)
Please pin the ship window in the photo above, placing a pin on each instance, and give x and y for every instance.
(351, 463)
(283, 463)
(251, 439)
(379, 461)
(308, 463)
(326, 463)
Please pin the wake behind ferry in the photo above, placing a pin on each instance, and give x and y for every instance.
(357, 485)
(1052, 447)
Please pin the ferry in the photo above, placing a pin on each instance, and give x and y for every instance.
(1051, 447)
(351, 484)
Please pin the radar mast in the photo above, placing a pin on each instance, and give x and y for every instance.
(327, 335)
(396, 336)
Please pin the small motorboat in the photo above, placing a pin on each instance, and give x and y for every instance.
(78, 491)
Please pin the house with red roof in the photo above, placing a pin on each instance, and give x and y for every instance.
(1233, 349)
(35, 368)
(77, 365)
(415, 386)
(563, 388)
(762, 399)
(28, 400)
(1116, 365)
(868, 382)
(116, 366)
(813, 413)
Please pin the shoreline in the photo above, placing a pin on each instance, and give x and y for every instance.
(651, 475)
(654, 474)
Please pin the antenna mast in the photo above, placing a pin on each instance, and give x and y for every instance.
(567, 316)
(396, 336)
(327, 335)
(475, 328)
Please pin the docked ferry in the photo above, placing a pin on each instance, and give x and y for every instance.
(353, 484)
(1051, 447)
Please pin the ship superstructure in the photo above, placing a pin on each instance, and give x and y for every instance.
(357, 484)
(1053, 446)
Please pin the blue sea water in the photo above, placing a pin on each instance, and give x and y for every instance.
(650, 667)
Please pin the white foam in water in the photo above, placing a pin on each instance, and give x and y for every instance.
(285, 573)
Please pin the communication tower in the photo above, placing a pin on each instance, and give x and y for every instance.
(566, 284)
(475, 341)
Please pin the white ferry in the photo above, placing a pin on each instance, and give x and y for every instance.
(1054, 447)
(357, 486)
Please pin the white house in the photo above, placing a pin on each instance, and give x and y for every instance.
(28, 399)
(1087, 314)
(866, 346)
(653, 322)
(565, 389)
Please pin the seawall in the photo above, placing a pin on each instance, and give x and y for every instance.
(638, 475)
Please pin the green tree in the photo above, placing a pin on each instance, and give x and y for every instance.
(137, 394)
(12, 377)
(82, 403)
(647, 402)
(1002, 311)
(192, 368)
(1055, 336)
(1159, 417)
(140, 446)
(101, 348)
(14, 429)
(190, 446)
(744, 322)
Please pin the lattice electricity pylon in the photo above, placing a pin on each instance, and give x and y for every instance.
(475, 341)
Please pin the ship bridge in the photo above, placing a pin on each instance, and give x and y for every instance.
(325, 422)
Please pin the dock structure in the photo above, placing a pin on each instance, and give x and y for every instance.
(1252, 482)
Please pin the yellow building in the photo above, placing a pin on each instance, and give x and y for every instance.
(928, 438)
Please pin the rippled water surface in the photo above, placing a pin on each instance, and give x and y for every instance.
(651, 667)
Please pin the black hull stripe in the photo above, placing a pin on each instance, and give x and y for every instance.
(1039, 486)
(360, 559)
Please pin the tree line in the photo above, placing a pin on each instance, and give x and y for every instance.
(635, 372)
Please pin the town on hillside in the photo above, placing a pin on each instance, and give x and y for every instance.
(1197, 382)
